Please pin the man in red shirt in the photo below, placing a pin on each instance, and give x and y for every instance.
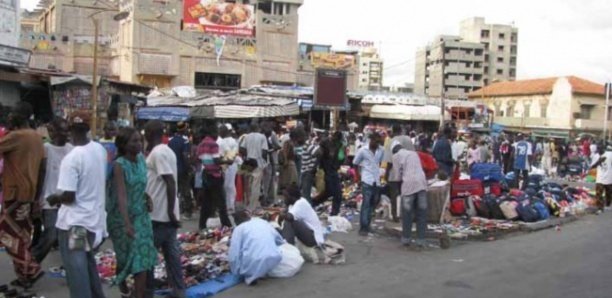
(212, 197)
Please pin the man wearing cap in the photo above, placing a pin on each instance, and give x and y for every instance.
(81, 219)
(179, 143)
(414, 193)
(23, 154)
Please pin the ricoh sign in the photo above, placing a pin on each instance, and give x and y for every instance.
(360, 43)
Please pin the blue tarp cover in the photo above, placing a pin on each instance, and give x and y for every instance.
(171, 114)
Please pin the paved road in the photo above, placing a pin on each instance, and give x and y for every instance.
(573, 262)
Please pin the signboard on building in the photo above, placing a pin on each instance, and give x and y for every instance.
(14, 55)
(219, 17)
(359, 43)
(9, 22)
(330, 88)
(332, 61)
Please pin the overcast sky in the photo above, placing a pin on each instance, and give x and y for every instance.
(556, 37)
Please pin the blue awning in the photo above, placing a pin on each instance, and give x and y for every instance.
(169, 114)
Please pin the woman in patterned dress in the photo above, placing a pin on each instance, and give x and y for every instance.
(128, 220)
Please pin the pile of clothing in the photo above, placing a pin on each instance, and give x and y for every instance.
(204, 258)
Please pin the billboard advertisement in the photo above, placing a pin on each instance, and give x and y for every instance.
(330, 88)
(218, 17)
(331, 60)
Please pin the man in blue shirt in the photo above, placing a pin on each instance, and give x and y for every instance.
(182, 148)
(442, 152)
(522, 154)
(254, 247)
(368, 159)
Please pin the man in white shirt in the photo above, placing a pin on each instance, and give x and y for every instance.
(300, 220)
(228, 149)
(161, 188)
(81, 220)
(368, 159)
(603, 181)
(55, 153)
(255, 147)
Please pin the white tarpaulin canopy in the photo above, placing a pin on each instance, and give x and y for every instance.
(406, 112)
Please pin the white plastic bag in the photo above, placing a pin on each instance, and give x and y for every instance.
(290, 264)
(339, 224)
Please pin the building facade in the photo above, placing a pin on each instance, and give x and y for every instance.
(500, 48)
(449, 67)
(563, 106)
(156, 46)
(370, 70)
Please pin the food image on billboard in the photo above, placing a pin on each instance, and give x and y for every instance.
(332, 60)
(330, 88)
(218, 17)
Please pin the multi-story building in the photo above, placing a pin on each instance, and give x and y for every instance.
(500, 47)
(370, 70)
(222, 46)
(449, 67)
(548, 107)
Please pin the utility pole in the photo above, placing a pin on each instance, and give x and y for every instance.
(607, 112)
(94, 84)
(442, 107)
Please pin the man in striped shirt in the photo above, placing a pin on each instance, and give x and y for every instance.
(310, 161)
(213, 195)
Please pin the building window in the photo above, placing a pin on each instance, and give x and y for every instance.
(510, 111)
(207, 80)
(485, 33)
(486, 82)
(512, 60)
(513, 50)
(513, 37)
(512, 72)
(477, 78)
(486, 69)
(500, 71)
(477, 64)
(500, 48)
(500, 59)
(478, 52)
(585, 111)
(486, 45)
(543, 108)
(502, 36)
(527, 111)
(486, 58)
(364, 80)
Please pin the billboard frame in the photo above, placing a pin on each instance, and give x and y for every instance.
(339, 72)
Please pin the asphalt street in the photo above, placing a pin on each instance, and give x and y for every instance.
(573, 262)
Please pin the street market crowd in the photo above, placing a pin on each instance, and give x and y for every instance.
(134, 187)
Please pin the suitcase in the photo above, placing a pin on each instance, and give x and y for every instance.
(487, 172)
(466, 188)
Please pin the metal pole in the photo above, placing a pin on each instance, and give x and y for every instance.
(443, 86)
(605, 125)
(94, 85)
